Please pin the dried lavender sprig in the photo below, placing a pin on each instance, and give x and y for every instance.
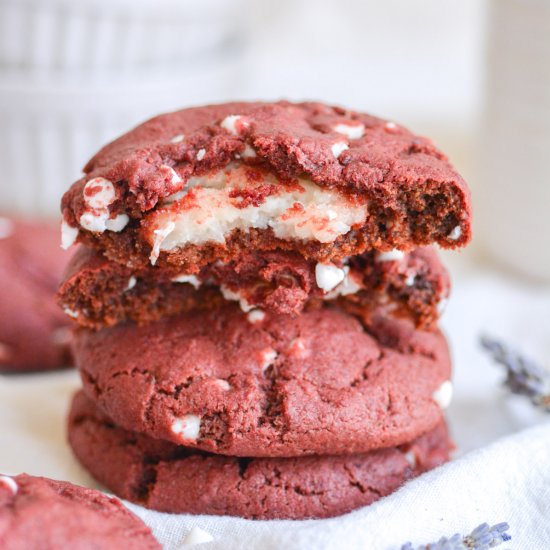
(523, 376)
(482, 537)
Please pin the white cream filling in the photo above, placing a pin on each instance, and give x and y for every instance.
(210, 213)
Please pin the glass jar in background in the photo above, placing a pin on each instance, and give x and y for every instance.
(513, 200)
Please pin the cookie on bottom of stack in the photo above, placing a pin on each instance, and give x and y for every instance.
(37, 513)
(172, 478)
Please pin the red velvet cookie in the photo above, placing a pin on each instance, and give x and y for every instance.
(37, 513)
(245, 385)
(34, 333)
(103, 293)
(171, 478)
(188, 188)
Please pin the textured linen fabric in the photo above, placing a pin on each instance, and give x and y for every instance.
(501, 473)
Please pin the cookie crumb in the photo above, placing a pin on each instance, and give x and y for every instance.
(197, 536)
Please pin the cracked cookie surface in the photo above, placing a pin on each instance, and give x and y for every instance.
(231, 383)
(171, 478)
(190, 187)
(37, 513)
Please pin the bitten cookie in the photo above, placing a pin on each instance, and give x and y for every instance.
(100, 293)
(247, 385)
(37, 513)
(171, 478)
(209, 183)
(34, 333)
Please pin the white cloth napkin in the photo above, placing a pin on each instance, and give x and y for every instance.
(501, 473)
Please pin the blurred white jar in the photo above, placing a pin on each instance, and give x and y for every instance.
(52, 37)
(74, 74)
(513, 200)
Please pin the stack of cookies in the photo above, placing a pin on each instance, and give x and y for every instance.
(257, 302)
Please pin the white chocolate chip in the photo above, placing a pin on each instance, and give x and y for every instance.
(171, 173)
(249, 152)
(191, 279)
(223, 384)
(201, 153)
(10, 483)
(160, 235)
(391, 256)
(188, 426)
(68, 235)
(346, 287)
(177, 139)
(409, 281)
(444, 394)
(338, 148)
(410, 457)
(71, 313)
(132, 281)
(61, 336)
(6, 228)
(256, 316)
(232, 296)
(455, 234)
(230, 122)
(94, 221)
(328, 276)
(267, 358)
(352, 131)
(391, 126)
(118, 223)
(99, 193)
(197, 536)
